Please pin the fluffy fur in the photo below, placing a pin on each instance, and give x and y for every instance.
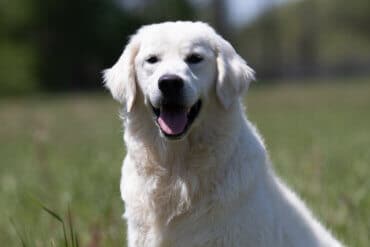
(214, 186)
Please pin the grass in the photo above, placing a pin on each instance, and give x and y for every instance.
(67, 150)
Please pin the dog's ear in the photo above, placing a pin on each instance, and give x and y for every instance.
(234, 75)
(121, 78)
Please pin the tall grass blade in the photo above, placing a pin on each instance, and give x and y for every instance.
(71, 231)
(76, 239)
(52, 213)
(19, 235)
(55, 216)
(60, 219)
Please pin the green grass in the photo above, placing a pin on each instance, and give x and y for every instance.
(66, 150)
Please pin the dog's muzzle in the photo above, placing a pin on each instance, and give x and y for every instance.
(173, 117)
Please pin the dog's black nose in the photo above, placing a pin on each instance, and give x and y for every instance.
(170, 85)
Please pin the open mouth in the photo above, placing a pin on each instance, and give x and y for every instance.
(175, 120)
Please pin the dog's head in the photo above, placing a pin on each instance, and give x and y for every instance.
(177, 66)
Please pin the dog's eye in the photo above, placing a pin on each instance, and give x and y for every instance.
(152, 59)
(194, 58)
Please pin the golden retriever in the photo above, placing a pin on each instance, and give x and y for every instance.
(196, 172)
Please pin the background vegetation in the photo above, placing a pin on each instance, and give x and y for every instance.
(64, 45)
(61, 138)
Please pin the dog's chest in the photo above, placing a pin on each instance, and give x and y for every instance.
(202, 228)
(163, 220)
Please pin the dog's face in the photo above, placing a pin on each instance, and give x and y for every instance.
(175, 72)
(177, 66)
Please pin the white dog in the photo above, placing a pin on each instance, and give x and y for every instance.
(196, 172)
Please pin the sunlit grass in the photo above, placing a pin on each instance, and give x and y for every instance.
(67, 150)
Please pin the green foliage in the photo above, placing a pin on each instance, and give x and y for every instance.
(59, 44)
(68, 150)
(64, 45)
(78, 39)
(309, 37)
(18, 59)
(14, 15)
(17, 68)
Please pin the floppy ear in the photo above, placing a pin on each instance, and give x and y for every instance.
(121, 78)
(234, 75)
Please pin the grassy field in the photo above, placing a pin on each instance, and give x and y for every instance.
(67, 150)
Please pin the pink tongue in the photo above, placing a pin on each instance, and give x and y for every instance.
(172, 122)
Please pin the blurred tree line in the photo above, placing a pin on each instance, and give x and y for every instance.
(312, 38)
(60, 45)
(64, 45)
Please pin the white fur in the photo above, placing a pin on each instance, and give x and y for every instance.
(215, 186)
